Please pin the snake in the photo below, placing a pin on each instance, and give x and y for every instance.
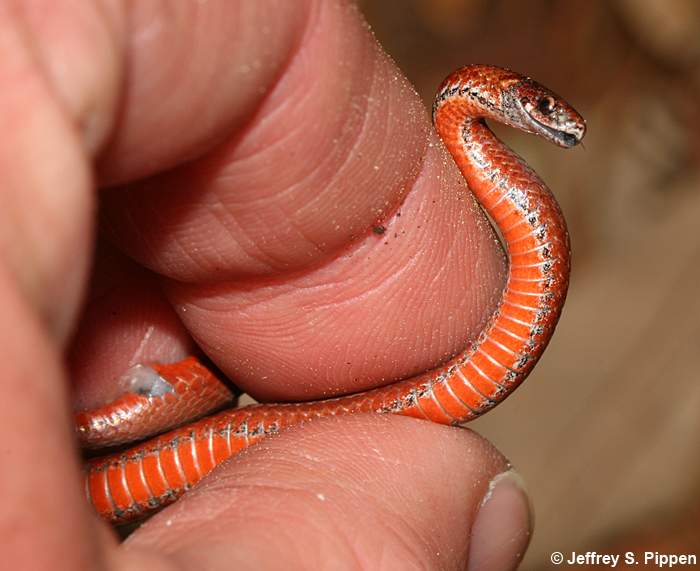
(135, 480)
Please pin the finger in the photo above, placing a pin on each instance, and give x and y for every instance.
(45, 235)
(125, 321)
(354, 491)
(56, 115)
(329, 244)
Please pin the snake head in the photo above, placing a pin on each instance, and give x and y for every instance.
(538, 110)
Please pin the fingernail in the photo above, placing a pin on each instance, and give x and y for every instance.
(503, 525)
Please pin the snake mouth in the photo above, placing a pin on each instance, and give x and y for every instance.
(561, 138)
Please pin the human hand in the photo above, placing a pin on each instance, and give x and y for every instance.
(305, 138)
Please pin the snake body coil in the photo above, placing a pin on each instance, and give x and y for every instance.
(129, 484)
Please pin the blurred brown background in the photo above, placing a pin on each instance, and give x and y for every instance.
(606, 431)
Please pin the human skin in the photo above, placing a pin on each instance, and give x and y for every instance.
(246, 153)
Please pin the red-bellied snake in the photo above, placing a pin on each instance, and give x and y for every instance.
(129, 484)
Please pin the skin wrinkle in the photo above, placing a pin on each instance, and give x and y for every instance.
(437, 275)
(263, 150)
(204, 260)
(262, 120)
(332, 542)
(350, 554)
(387, 281)
(296, 54)
(230, 225)
(463, 302)
(223, 491)
(392, 525)
(408, 537)
(352, 154)
(366, 347)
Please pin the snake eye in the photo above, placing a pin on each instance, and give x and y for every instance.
(546, 105)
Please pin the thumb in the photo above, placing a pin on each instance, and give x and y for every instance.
(363, 491)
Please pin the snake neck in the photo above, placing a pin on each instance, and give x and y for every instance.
(527, 216)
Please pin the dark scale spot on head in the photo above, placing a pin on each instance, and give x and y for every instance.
(378, 229)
